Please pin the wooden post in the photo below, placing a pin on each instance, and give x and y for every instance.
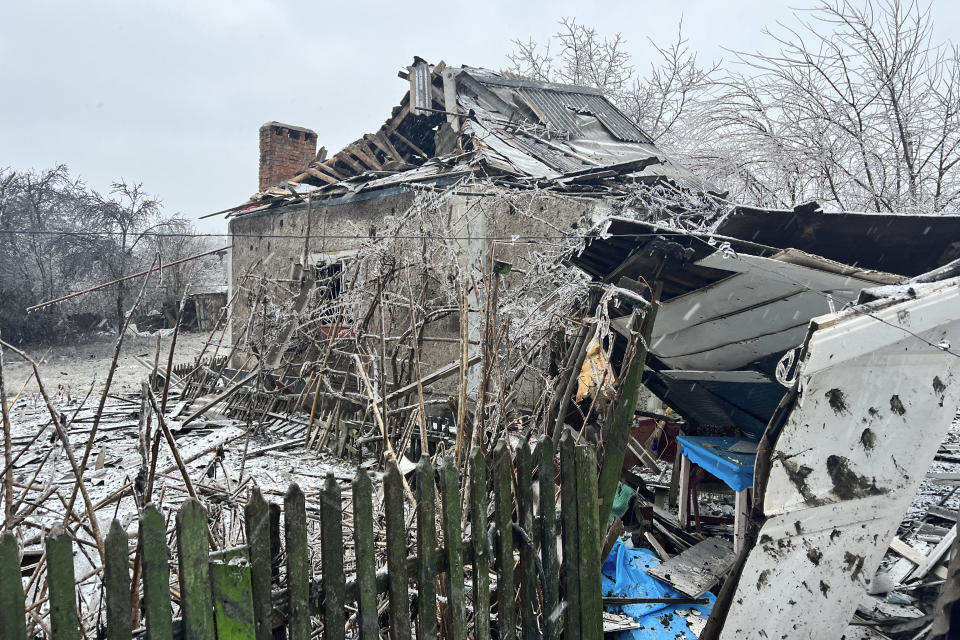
(452, 542)
(396, 554)
(684, 490)
(741, 512)
(528, 554)
(257, 522)
(365, 557)
(591, 596)
(331, 549)
(116, 583)
(481, 546)
(298, 562)
(503, 521)
(426, 551)
(569, 506)
(12, 612)
(155, 564)
(548, 536)
(276, 549)
(61, 586)
(196, 601)
(618, 434)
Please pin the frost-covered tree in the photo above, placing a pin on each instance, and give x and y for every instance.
(852, 104)
(127, 216)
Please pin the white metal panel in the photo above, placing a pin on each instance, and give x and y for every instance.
(846, 465)
(762, 309)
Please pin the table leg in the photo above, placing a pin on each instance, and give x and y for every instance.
(684, 492)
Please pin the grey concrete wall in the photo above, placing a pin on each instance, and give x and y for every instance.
(481, 225)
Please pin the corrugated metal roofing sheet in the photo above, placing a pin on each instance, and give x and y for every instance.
(561, 109)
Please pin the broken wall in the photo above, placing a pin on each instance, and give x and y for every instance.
(456, 232)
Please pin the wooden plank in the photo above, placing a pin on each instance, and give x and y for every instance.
(196, 601)
(426, 551)
(61, 585)
(322, 176)
(528, 554)
(481, 547)
(232, 592)
(618, 434)
(331, 550)
(298, 562)
(588, 525)
(116, 583)
(906, 551)
(548, 536)
(935, 555)
(365, 557)
(257, 523)
(410, 145)
(452, 542)
(430, 378)
(399, 603)
(156, 574)
(569, 572)
(276, 549)
(12, 611)
(503, 522)
(697, 569)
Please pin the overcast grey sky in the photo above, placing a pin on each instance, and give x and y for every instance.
(172, 93)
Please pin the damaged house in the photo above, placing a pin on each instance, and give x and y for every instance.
(469, 262)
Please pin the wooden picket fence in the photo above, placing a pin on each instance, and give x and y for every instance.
(239, 593)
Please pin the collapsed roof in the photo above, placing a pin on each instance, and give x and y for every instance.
(469, 121)
(736, 299)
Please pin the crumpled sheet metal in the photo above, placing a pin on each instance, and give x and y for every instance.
(876, 397)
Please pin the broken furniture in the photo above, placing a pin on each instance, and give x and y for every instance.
(731, 460)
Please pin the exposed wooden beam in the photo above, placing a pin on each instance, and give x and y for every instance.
(322, 176)
(412, 146)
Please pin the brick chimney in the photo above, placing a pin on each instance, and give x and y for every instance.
(285, 151)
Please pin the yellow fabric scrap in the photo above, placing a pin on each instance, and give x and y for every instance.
(595, 374)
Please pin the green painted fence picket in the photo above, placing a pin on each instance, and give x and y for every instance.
(242, 594)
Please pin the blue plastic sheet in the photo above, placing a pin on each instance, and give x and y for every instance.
(625, 575)
(714, 456)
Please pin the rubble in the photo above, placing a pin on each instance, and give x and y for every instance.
(505, 262)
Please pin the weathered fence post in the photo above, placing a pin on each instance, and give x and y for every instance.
(571, 544)
(365, 557)
(481, 546)
(548, 538)
(116, 583)
(257, 524)
(12, 610)
(331, 549)
(393, 501)
(503, 521)
(426, 551)
(298, 562)
(155, 562)
(453, 543)
(528, 552)
(591, 598)
(61, 585)
(196, 600)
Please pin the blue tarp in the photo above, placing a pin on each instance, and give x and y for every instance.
(625, 575)
(714, 456)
